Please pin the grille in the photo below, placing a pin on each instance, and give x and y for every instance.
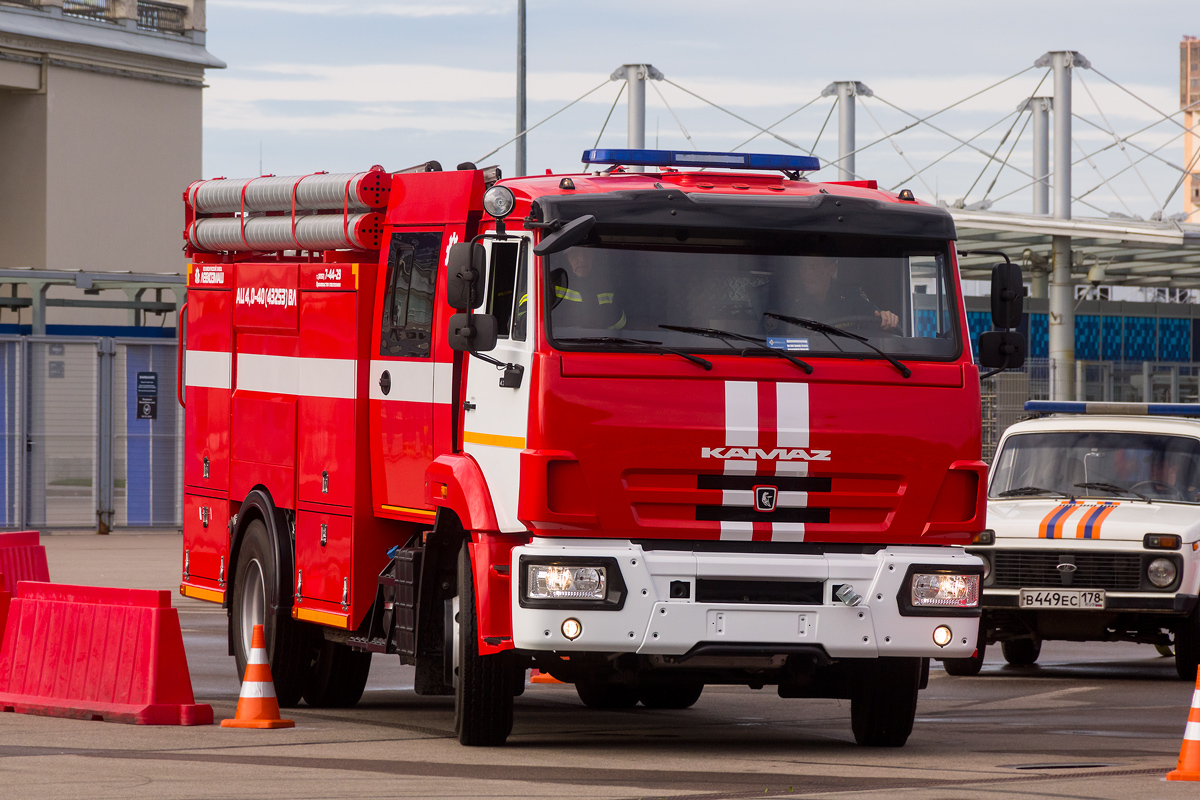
(1116, 572)
(809, 593)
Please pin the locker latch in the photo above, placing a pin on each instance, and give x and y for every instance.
(345, 594)
(325, 482)
(299, 584)
(204, 516)
(206, 468)
(324, 534)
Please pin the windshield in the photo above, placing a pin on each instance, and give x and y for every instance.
(894, 292)
(1159, 466)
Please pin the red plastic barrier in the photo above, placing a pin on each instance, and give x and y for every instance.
(89, 652)
(22, 558)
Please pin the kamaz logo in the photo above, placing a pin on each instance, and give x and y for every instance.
(760, 454)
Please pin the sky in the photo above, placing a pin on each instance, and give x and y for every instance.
(341, 85)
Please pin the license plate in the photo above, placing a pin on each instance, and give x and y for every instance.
(1062, 598)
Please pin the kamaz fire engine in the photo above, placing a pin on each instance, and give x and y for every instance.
(681, 419)
(1093, 532)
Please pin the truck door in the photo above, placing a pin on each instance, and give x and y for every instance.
(496, 418)
(406, 381)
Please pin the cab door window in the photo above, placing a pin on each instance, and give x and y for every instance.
(408, 301)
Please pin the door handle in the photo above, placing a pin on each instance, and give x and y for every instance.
(385, 382)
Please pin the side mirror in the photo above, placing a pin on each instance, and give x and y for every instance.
(464, 275)
(1008, 292)
(1001, 349)
(472, 333)
(568, 235)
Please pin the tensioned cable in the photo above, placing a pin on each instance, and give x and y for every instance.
(547, 119)
(828, 116)
(1140, 100)
(1008, 155)
(686, 135)
(896, 146)
(946, 155)
(779, 122)
(1103, 179)
(1126, 140)
(1179, 183)
(759, 128)
(987, 164)
(919, 120)
(1113, 133)
(616, 99)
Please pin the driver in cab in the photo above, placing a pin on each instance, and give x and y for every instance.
(813, 292)
(583, 298)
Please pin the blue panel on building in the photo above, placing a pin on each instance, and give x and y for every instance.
(978, 322)
(1113, 348)
(1141, 339)
(1087, 337)
(1039, 336)
(1174, 340)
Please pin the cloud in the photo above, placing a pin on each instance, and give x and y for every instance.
(393, 8)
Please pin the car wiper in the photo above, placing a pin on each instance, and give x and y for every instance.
(656, 346)
(1031, 491)
(1112, 488)
(759, 344)
(829, 330)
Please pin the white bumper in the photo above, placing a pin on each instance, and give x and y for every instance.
(650, 622)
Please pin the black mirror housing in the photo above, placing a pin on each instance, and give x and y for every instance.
(1008, 292)
(568, 235)
(464, 275)
(472, 333)
(1001, 349)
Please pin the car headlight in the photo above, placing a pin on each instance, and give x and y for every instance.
(499, 201)
(1161, 572)
(945, 590)
(556, 582)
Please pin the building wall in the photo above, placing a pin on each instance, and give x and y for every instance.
(22, 180)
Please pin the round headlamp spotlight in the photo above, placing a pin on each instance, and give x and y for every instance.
(942, 635)
(1161, 572)
(571, 628)
(499, 201)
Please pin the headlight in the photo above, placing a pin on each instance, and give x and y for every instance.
(955, 591)
(548, 582)
(499, 201)
(1161, 572)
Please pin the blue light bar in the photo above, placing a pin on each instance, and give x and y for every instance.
(1138, 409)
(695, 158)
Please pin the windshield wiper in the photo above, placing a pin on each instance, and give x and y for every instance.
(1112, 488)
(657, 346)
(1030, 491)
(829, 330)
(725, 336)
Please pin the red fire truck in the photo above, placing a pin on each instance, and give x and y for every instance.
(681, 419)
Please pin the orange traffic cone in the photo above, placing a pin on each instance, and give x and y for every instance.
(257, 706)
(537, 676)
(1189, 754)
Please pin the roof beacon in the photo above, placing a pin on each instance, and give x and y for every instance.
(1138, 409)
(694, 158)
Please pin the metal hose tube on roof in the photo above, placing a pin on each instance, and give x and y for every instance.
(271, 234)
(367, 190)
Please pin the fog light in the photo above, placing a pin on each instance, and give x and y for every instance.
(956, 591)
(571, 628)
(942, 635)
(1161, 572)
(499, 201)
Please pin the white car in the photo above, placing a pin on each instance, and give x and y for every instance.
(1094, 532)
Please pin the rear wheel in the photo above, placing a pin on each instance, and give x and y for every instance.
(683, 695)
(338, 676)
(289, 643)
(883, 704)
(483, 692)
(606, 695)
(1021, 652)
(1187, 646)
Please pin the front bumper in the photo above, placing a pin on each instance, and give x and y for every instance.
(650, 621)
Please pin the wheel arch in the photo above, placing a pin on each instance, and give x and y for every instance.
(259, 505)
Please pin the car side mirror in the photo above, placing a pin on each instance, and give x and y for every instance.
(472, 333)
(1008, 292)
(568, 235)
(1001, 350)
(465, 266)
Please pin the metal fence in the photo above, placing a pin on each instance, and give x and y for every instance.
(90, 433)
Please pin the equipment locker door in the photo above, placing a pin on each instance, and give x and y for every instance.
(496, 418)
(406, 380)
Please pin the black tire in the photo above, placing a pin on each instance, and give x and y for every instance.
(289, 643)
(967, 667)
(883, 704)
(606, 695)
(1187, 646)
(483, 695)
(1021, 652)
(338, 677)
(683, 695)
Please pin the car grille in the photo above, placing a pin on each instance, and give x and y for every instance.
(1115, 572)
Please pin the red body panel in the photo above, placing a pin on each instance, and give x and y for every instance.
(206, 428)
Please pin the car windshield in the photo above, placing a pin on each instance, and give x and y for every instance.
(897, 293)
(1110, 464)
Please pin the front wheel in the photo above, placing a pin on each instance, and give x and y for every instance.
(966, 667)
(682, 695)
(1187, 646)
(483, 685)
(1021, 652)
(289, 643)
(595, 694)
(883, 703)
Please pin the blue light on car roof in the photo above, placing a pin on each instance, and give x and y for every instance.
(1139, 409)
(696, 158)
